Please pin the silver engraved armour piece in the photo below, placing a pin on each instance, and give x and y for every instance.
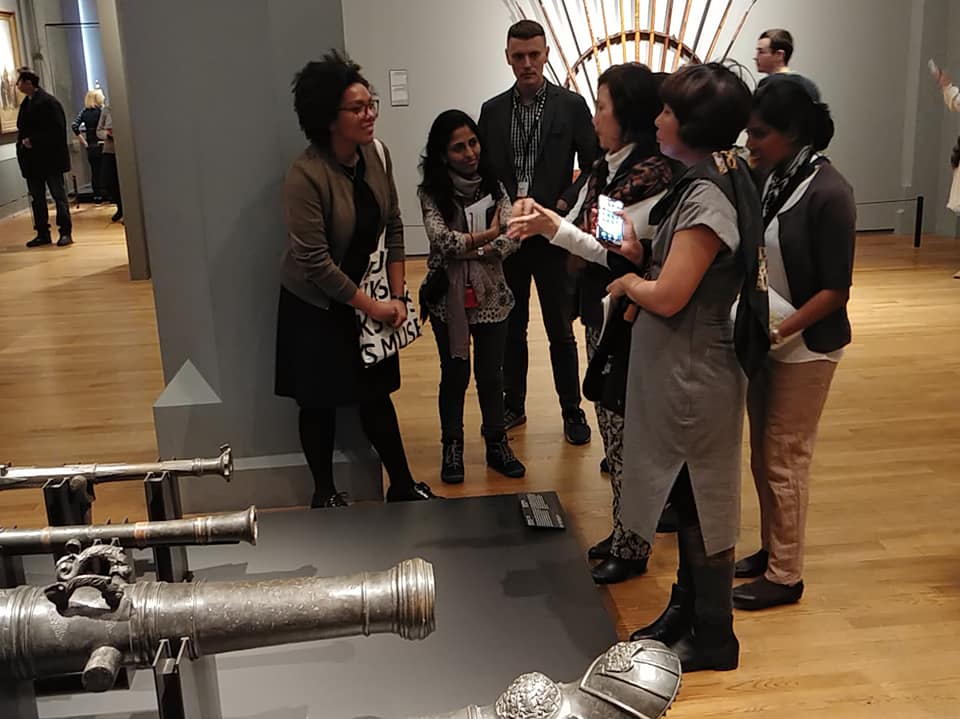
(530, 696)
(631, 680)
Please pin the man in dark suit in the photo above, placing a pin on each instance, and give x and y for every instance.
(43, 156)
(530, 134)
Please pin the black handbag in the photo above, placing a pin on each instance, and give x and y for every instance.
(605, 381)
(432, 290)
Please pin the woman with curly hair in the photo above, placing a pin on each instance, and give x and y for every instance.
(338, 197)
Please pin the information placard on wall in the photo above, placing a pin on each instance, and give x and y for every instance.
(399, 92)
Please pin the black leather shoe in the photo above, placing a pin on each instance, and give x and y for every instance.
(675, 621)
(337, 499)
(451, 464)
(39, 241)
(500, 458)
(708, 646)
(601, 550)
(64, 240)
(575, 427)
(415, 492)
(762, 594)
(513, 419)
(668, 520)
(614, 570)
(753, 566)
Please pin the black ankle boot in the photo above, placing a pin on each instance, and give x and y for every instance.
(711, 644)
(753, 566)
(451, 467)
(322, 500)
(601, 550)
(614, 570)
(675, 621)
(500, 458)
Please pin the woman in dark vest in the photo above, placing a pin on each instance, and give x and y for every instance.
(809, 219)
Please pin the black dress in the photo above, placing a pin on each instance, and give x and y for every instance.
(318, 350)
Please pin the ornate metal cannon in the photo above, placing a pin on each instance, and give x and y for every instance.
(632, 680)
(98, 627)
(13, 477)
(229, 528)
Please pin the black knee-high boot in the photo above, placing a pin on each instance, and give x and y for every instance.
(710, 643)
(677, 619)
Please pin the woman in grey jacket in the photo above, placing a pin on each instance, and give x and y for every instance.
(338, 197)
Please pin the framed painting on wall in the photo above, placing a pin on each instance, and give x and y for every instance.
(10, 96)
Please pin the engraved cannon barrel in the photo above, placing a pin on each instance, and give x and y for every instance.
(229, 528)
(38, 640)
(15, 477)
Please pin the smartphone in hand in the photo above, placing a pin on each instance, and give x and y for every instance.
(609, 224)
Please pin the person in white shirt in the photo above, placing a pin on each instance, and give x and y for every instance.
(634, 172)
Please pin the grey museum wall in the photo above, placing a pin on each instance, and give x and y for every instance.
(208, 92)
(453, 52)
(869, 59)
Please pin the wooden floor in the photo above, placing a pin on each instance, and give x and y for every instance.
(876, 635)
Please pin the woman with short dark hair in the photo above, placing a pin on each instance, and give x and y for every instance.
(338, 197)
(685, 389)
(634, 172)
(809, 216)
(465, 290)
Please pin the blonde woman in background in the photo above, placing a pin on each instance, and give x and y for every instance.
(109, 173)
(85, 127)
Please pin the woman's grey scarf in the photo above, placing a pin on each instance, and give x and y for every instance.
(461, 273)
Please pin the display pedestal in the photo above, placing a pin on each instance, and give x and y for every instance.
(510, 600)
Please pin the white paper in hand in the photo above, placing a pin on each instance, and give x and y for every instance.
(607, 304)
(477, 214)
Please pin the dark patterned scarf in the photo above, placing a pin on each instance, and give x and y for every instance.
(643, 174)
(780, 179)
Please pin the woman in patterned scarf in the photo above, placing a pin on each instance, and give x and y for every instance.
(465, 292)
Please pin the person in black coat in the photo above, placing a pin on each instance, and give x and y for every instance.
(531, 134)
(43, 156)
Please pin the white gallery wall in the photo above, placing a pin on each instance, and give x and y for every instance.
(453, 53)
(859, 52)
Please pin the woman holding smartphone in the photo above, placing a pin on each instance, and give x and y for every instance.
(465, 291)
(629, 179)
